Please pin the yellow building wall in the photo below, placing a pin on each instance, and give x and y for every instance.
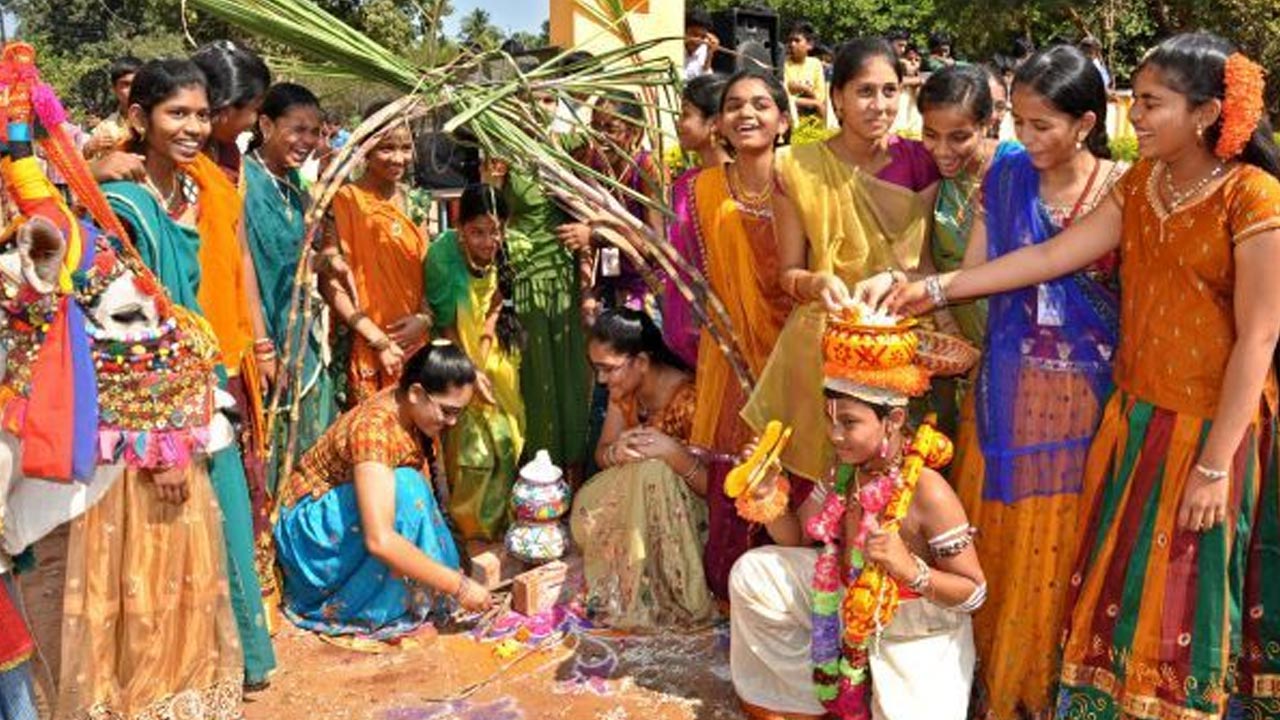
(573, 26)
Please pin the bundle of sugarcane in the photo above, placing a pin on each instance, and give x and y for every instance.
(500, 118)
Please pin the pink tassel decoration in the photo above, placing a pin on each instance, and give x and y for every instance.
(47, 106)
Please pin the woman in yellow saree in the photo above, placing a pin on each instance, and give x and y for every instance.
(855, 205)
(469, 287)
(640, 522)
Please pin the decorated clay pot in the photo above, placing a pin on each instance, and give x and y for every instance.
(850, 344)
(541, 492)
(537, 542)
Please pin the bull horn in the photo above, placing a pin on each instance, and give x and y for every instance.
(42, 249)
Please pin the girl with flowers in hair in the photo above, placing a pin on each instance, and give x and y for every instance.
(876, 623)
(1167, 611)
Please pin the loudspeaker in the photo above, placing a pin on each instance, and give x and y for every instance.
(753, 36)
(441, 161)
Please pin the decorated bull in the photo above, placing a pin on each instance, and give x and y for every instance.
(108, 411)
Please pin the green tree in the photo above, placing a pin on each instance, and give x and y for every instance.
(477, 29)
(76, 40)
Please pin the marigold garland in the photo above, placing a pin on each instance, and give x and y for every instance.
(841, 673)
(1242, 105)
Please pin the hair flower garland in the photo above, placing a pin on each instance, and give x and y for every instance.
(1242, 104)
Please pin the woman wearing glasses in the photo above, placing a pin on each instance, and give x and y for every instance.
(469, 288)
(640, 522)
(362, 545)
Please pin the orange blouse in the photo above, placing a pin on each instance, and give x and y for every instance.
(1177, 274)
(369, 433)
(675, 420)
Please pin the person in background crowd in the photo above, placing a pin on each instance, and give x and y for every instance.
(238, 81)
(939, 53)
(229, 294)
(109, 134)
(372, 238)
(334, 130)
(698, 134)
(1092, 47)
(803, 74)
(469, 288)
(700, 44)
(956, 107)
(275, 204)
(1022, 49)
(900, 39)
(617, 282)
(1001, 125)
(827, 57)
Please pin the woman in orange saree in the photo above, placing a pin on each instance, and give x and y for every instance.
(733, 242)
(382, 298)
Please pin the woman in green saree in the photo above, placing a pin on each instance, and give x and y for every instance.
(275, 204)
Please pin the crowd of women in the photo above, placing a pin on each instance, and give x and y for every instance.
(1115, 447)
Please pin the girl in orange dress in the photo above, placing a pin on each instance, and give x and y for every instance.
(733, 234)
(381, 299)
(1168, 613)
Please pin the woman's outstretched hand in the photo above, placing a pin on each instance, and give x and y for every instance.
(909, 298)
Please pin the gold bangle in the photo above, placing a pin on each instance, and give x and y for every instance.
(689, 474)
(355, 319)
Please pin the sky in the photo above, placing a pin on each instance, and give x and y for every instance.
(508, 15)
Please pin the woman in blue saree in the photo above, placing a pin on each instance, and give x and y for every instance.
(360, 538)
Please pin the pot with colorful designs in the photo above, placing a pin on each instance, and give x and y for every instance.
(540, 499)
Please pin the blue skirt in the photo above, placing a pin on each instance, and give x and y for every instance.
(332, 585)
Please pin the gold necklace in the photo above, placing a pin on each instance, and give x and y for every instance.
(1178, 198)
(740, 192)
(279, 184)
(168, 202)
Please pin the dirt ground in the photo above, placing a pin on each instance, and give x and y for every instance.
(559, 670)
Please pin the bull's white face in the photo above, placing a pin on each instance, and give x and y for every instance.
(123, 310)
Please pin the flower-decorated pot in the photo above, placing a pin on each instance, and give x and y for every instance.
(541, 492)
(537, 542)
